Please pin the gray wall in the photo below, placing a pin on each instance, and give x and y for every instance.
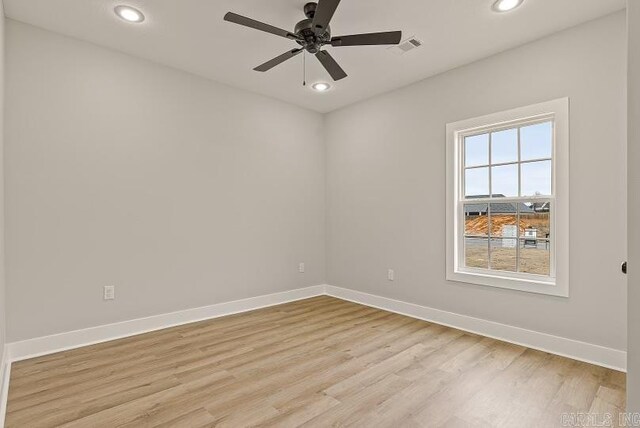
(386, 183)
(179, 191)
(633, 356)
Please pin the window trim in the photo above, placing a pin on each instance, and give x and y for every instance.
(558, 283)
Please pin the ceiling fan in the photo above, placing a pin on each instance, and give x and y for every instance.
(313, 33)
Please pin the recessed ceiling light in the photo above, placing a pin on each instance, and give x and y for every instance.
(320, 87)
(129, 14)
(506, 5)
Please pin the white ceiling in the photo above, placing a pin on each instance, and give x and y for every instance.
(191, 35)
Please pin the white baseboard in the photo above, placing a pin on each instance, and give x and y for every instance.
(38, 346)
(587, 352)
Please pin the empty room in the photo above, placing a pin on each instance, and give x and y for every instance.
(328, 213)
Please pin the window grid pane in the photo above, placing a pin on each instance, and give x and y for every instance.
(504, 180)
(503, 237)
(504, 146)
(476, 150)
(537, 141)
(477, 182)
(536, 178)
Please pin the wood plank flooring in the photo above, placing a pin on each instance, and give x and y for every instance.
(314, 363)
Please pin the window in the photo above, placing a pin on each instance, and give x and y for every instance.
(507, 199)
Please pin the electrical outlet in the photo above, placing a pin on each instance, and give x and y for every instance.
(109, 292)
(301, 267)
(391, 275)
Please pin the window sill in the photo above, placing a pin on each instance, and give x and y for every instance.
(539, 286)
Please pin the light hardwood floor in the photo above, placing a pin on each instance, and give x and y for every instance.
(317, 362)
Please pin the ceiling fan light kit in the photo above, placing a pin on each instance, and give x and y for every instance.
(321, 87)
(506, 5)
(313, 33)
(129, 14)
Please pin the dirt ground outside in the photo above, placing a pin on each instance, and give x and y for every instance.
(532, 260)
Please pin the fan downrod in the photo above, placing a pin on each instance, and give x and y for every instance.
(310, 9)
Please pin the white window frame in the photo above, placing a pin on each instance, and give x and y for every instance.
(557, 284)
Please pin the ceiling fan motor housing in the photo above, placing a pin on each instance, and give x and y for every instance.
(307, 36)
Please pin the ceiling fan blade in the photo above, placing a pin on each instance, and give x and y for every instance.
(386, 38)
(323, 14)
(331, 65)
(278, 60)
(252, 23)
